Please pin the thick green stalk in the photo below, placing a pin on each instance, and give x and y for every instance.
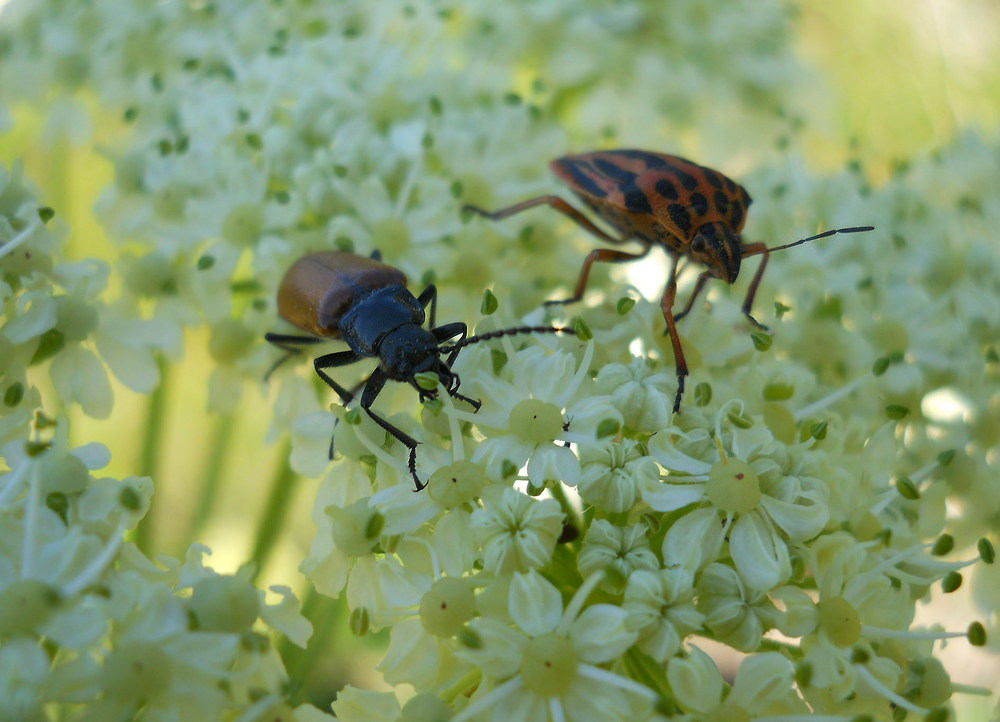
(272, 521)
(152, 445)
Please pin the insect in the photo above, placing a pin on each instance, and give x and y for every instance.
(657, 199)
(364, 302)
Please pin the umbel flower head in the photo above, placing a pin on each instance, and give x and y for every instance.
(577, 540)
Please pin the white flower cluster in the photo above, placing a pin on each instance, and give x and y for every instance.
(575, 537)
(89, 626)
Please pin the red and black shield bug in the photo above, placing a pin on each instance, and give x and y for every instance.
(657, 199)
(365, 303)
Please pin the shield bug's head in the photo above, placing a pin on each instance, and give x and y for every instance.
(717, 247)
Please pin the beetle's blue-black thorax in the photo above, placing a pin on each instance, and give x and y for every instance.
(388, 323)
(375, 314)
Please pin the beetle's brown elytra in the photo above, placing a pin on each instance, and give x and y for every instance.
(661, 200)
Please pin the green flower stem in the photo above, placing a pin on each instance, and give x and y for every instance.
(772, 645)
(152, 444)
(327, 616)
(645, 670)
(211, 477)
(272, 522)
(559, 494)
(467, 682)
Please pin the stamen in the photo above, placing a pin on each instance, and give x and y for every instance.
(873, 682)
(8, 247)
(511, 685)
(97, 565)
(576, 603)
(819, 404)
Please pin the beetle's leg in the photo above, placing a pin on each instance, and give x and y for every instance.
(605, 255)
(666, 305)
(375, 383)
(332, 360)
(698, 286)
(430, 295)
(450, 330)
(290, 344)
(555, 202)
(755, 248)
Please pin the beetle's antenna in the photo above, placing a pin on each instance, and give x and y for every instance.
(506, 332)
(824, 234)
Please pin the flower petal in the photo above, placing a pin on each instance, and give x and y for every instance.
(535, 604)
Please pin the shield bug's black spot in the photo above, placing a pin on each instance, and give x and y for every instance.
(636, 202)
(614, 172)
(700, 203)
(667, 189)
(650, 160)
(721, 203)
(687, 180)
(737, 214)
(582, 180)
(680, 217)
(714, 179)
(730, 185)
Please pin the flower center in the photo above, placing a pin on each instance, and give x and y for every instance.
(732, 486)
(840, 621)
(447, 606)
(456, 484)
(136, 672)
(549, 665)
(536, 421)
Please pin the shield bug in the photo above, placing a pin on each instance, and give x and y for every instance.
(365, 303)
(656, 199)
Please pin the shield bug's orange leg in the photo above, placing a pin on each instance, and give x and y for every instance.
(698, 286)
(748, 250)
(666, 305)
(553, 201)
(605, 255)
(754, 249)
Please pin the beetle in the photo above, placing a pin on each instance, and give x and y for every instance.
(365, 303)
(665, 200)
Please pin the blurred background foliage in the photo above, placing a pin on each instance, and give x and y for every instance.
(889, 80)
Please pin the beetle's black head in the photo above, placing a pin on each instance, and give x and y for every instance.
(410, 350)
(717, 247)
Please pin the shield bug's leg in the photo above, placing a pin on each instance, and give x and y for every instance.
(666, 305)
(553, 201)
(605, 255)
(372, 389)
(698, 286)
(430, 295)
(290, 344)
(755, 248)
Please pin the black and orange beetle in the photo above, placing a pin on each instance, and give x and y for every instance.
(365, 303)
(658, 199)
